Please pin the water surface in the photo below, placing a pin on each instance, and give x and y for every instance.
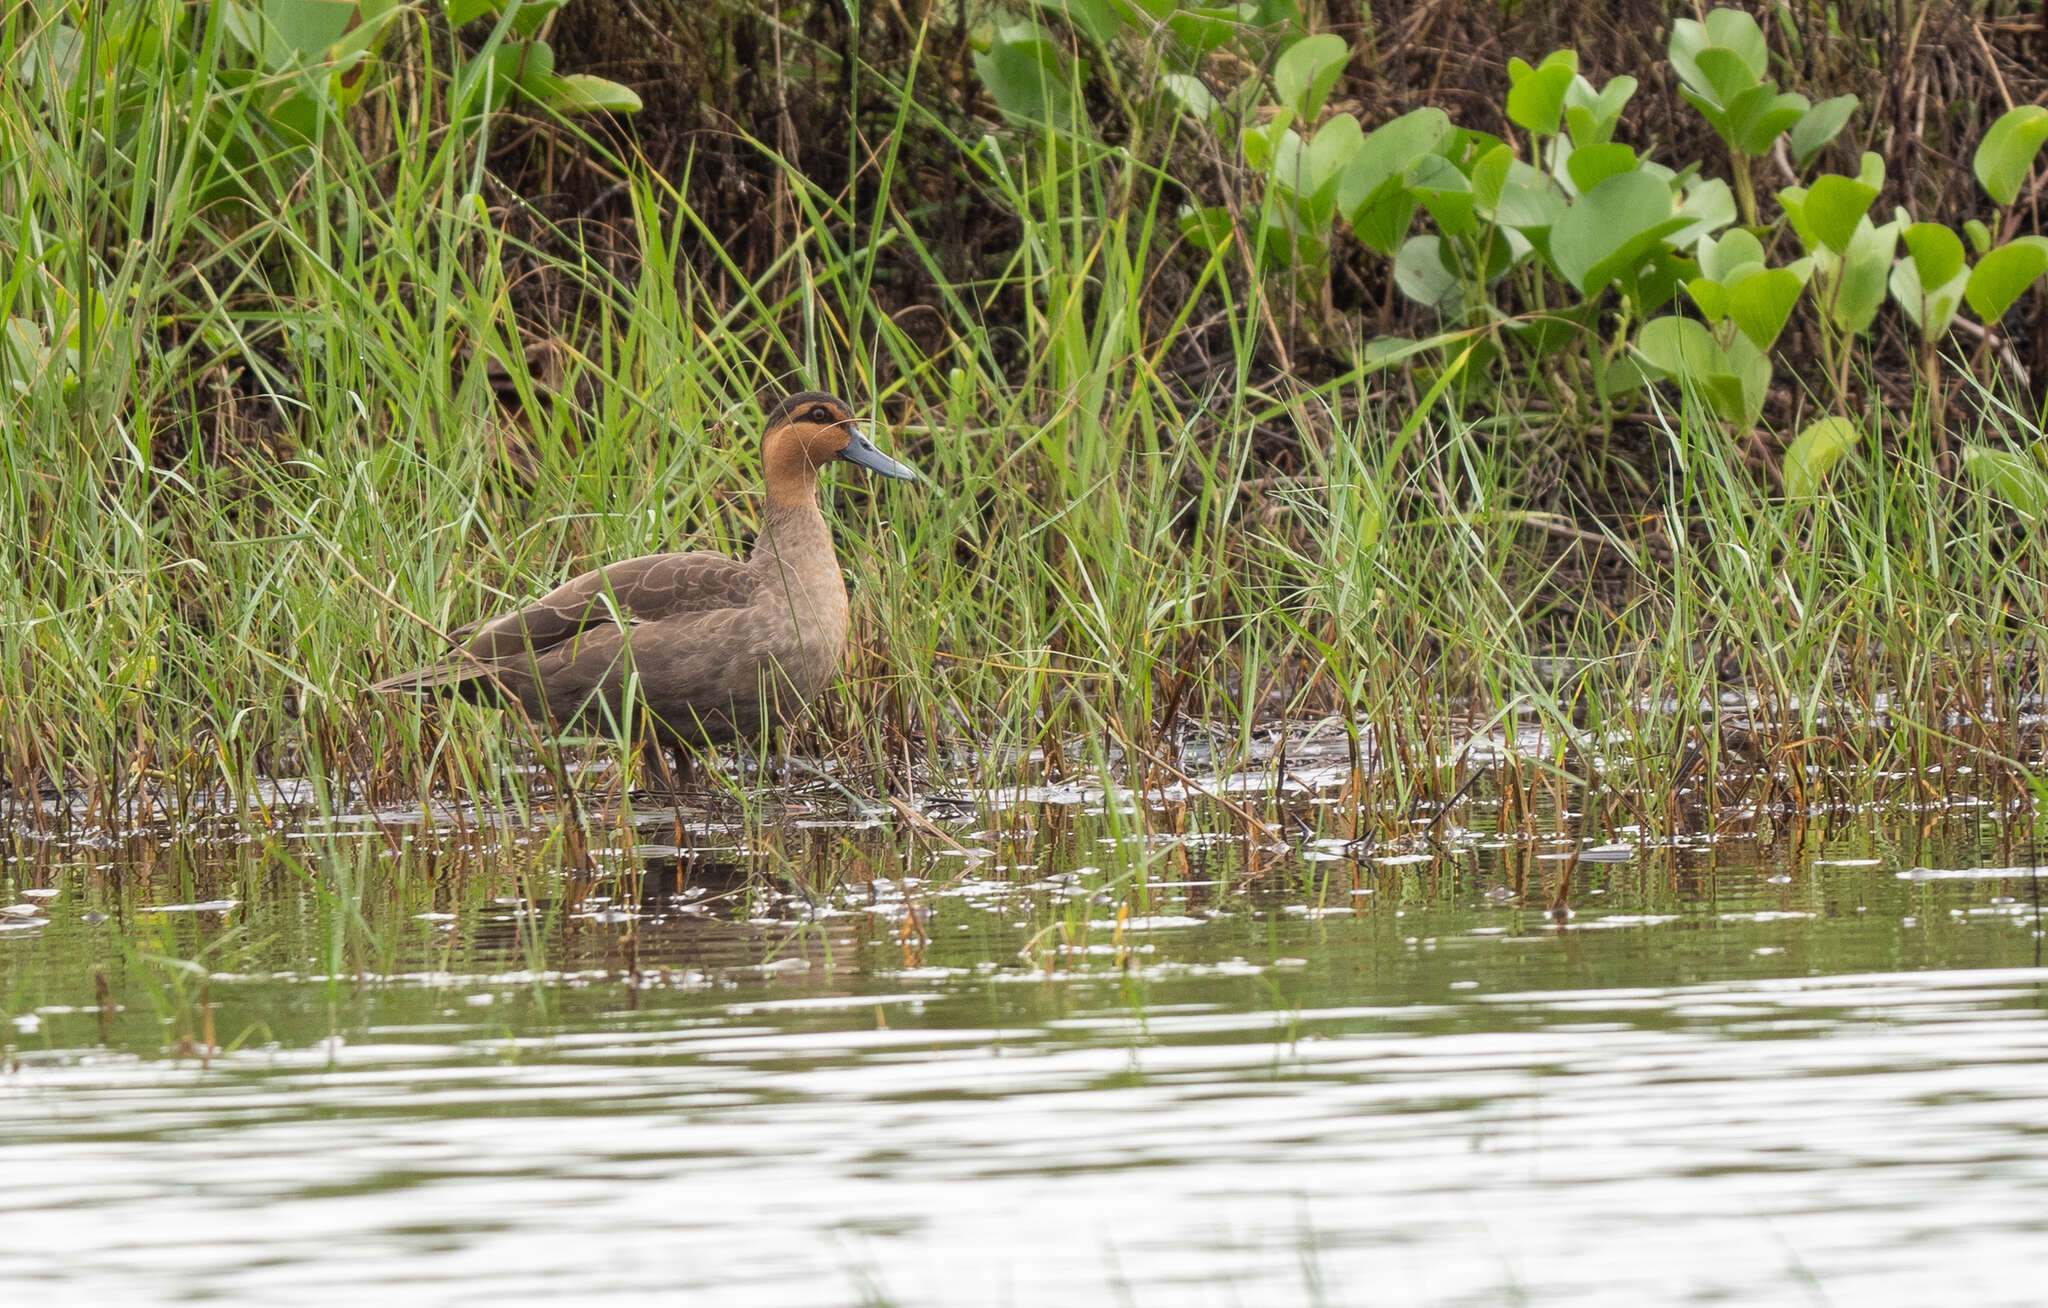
(1059, 1052)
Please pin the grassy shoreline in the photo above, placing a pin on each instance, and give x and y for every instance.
(291, 442)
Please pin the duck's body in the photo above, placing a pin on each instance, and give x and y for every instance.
(686, 649)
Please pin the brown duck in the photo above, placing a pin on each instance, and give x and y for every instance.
(708, 648)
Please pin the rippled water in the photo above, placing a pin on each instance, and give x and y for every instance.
(1056, 1054)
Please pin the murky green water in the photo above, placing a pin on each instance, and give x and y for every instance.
(1077, 1059)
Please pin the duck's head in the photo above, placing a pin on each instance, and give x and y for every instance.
(810, 429)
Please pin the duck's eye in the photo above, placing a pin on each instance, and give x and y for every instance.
(821, 414)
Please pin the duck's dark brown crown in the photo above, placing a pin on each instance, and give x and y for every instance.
(790, 406)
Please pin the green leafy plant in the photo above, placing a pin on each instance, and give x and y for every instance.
(1732, 375)
(2006, 154)
(1586, 233)
(1928, 285)
(1815, 452)
(1858, 261)
(1559, 255)
(1852, 257)
(1028, 75)
(2003, 159)
(1302, 170)
(2003, 273)
(1723, 65)
(2014, 477)
(516, 63)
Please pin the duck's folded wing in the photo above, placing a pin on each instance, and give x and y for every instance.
(645, 589)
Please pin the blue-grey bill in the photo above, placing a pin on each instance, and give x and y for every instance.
(862, 451)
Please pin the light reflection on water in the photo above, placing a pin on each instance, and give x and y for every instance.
(1783, 1070)
(1887, 1146)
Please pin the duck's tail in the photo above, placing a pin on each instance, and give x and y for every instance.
(472, 679)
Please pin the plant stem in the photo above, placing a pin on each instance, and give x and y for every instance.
(1745, 186)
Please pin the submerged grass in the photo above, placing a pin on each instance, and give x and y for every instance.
(312, 415)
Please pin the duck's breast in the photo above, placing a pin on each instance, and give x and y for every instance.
(810, 644)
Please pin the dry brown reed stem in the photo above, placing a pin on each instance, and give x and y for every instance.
(925, 826)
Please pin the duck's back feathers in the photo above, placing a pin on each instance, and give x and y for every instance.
(646, 589)
(652, 588)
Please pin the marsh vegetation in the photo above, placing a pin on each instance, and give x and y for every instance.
(1482, 566)
(328, 333)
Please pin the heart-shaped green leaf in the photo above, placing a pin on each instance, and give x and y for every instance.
(1834, 205)
(1193, 96)
(1688, 38)
(1762, 114)
(1422, 275)
(1753, 373)
(1443, 190)
(1708, 206)
(1591, 116)
(1372, 191)
(2013, 478)
(1761, 302)
(1733, 381)
(1322, 165)
(1536, 95)
(519, 61)
(1815, 452)
(1529, 199)
(2003, 275)
(1488, 174)
(1734, 249)
(1027, 75)
(1735, 30)
(1263, 144)
(1590, 165)
(1336, 143)
(1792, 199)
(1817, 126)
(1382, 225)
(1711, 297)
(1305, 72)
(2006, 154)
(1316, 165)
(1929, 307)
(1612, 230)
(1656, 283)
(1936, 250)
(1860, 275)
(581, 93)
(1680, 347)
(1728, 76)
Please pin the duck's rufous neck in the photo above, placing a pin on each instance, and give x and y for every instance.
(794, 536)
(792, 477)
